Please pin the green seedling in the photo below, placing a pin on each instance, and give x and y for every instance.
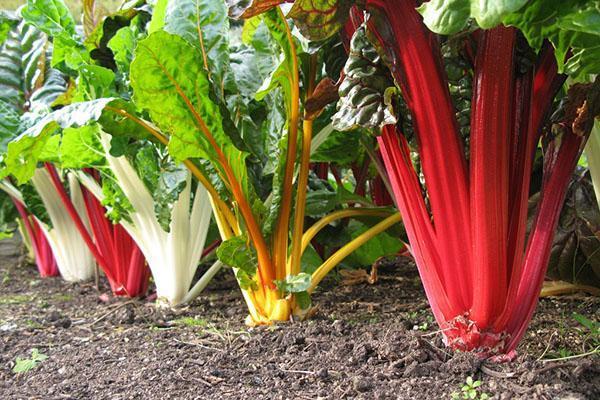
(470, 391)
(27, 364)
(190, 321)
(14, 299)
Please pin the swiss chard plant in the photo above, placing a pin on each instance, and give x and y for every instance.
(478, 103)
(235, 118)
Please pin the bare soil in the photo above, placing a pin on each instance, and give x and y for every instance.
(365, 342)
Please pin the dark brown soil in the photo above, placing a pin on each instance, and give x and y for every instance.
(365, 342)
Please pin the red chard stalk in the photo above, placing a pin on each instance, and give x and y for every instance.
(466, 223)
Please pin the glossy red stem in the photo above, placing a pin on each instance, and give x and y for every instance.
(127, 272)
(113, 250)
(44, 257)
(416, 66)
(489, 171)
(480, 274)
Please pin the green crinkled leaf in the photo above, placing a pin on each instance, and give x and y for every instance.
(381, 245)
(79, 114)
(250, 8)
(44, 97)
(19, 58)
(94, 82)
(8, 216)
(7, 22)
(158, 16)
(24, 152)
(320, 202)
(489, 13)
(450, 16)
(205, 25)
(571, 26)
(252, 65)
(366, 92)
(282, 77)
(171, 182)
(294, 283)
(54, 19)
(118, 125)
(80, 147)
(9, 124)
(320, 19)
(575, 256)
(27, 80)
(339, 147)
(170, 83)
(249, 29)
(68, 54)
(163, 178)
(122, 45)
(446, 16)
(236, 253)
(34, 202)
(116, 203)
(24, 86)
(51, 151)
(50, 16)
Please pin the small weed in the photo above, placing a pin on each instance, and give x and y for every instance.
(15, 299)
(423, 327)
(33, 324)
(190, 321)
(63, 297)
(564, 352)
(470, 391)
(592, 329)
(43, 304)
(27, 364)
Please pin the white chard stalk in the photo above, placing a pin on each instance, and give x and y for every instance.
(173, 256)
(74, 259)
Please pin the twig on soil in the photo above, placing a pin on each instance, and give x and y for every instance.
(293, 371)
(195, 379)
(547, 347)
(589, 353)
(554, 366)
(439, 352)
(518, 388)
(497, 374)
(118, 307)
(41, 345)
(199, 345)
